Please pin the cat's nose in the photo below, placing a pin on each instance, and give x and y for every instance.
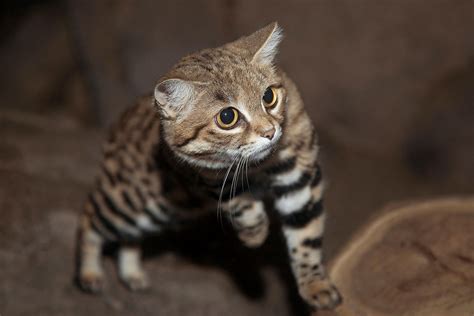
(269, 133)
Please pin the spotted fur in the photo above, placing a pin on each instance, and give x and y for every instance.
(167, 161)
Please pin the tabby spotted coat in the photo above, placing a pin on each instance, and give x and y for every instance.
(219, 116)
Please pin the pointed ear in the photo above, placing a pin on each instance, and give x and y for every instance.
(263, 44)
(172, 95)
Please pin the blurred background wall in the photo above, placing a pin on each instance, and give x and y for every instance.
(390, 78)
(355, 62)
(389, 85)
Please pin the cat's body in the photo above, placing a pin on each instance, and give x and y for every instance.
(223, 131)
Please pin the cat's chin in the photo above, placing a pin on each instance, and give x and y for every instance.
(201, 163)
(253, 156)
(261, 155)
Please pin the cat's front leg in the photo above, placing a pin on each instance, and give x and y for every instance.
(130, 267)
(299, 203)
(249, 219)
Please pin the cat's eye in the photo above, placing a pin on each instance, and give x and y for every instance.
(227, 118)
(270, 97)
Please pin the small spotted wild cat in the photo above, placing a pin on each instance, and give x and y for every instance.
(182, 151)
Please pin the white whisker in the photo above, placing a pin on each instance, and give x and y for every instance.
(219, 203)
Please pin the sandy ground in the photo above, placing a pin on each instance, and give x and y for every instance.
(46, 166)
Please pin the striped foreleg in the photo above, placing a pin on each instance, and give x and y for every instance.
(299, 204)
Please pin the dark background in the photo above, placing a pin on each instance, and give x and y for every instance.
(389, 85)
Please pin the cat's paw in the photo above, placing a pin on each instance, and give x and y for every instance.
(137, 281)
(253, 237)
(92, 282)
(321, 294)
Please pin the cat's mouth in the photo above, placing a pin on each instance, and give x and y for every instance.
(262, 149)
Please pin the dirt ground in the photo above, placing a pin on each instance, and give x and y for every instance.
(46, 166)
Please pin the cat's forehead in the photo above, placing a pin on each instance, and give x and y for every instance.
(224, 70)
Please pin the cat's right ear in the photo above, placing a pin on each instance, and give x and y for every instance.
(172, 95)
(261, 45)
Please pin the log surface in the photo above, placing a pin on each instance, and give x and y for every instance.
(416, 259)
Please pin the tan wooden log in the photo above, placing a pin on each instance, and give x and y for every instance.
(413, 259)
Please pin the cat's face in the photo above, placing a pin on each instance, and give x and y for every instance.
(224, 104)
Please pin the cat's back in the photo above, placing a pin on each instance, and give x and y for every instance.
(137, 130)
(129, 166)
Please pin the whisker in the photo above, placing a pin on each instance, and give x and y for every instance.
(234, 178)
(219, 203)
(235, 182)
(247, 173)
(243, 173)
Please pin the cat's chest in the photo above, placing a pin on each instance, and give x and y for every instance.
(235, 183)
(188, 190)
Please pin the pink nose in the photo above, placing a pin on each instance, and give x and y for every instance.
(269, 133)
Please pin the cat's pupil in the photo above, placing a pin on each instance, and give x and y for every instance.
(268, 96)
(227, 116)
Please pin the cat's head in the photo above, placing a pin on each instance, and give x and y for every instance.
(222, 104)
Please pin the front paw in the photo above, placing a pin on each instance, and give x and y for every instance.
(136, 281)
(253, 237)
(320, 294)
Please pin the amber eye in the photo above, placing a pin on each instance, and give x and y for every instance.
(227, 118)
(270, 97)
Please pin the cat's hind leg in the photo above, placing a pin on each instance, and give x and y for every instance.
(90, 274)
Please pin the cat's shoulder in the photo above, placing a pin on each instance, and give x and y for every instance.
(137, 123)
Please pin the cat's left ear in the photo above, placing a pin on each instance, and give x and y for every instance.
(173, 95)
(263, 44)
